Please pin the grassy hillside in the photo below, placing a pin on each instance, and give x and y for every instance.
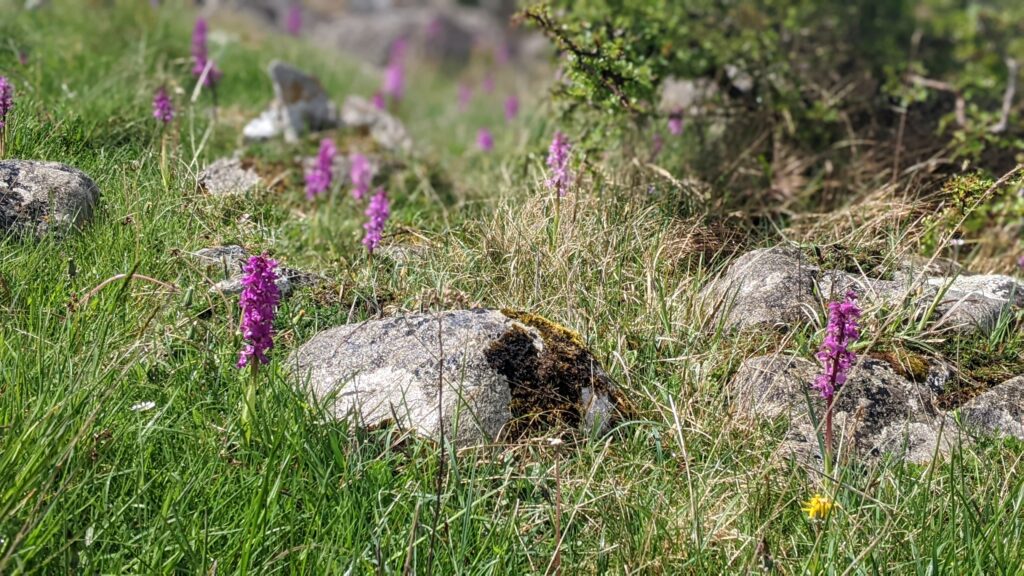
(89, 485)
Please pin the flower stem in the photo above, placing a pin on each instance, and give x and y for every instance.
(828, 437)
(249, 403)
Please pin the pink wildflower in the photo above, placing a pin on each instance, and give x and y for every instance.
(163, 110)
(511, 107)
(835, 354)
(200, 55)
(260, 296)
(293, 21)
(378, 101)
(6, 99)
(319, 177)
(377, 214)
(675, 123)
(484, 140)
(558, 163)
(361, 175)
(394, 81)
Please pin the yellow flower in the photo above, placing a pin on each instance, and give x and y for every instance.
(818, 507)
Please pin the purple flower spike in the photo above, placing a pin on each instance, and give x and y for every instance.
(361, 175)
(163, 110)
(200, 55)
(835, 354)
(675, 123)
(320, 176)
(511, 108)
(394, 81)
(377, 214)
(558, 162)
(260, 296)
(484, 140)
(6, 99)
(378, 101)
(293, 21)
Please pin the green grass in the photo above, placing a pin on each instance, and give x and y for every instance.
(89, 486)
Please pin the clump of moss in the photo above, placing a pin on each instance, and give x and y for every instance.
(854, 260)
(546, 384)
(907, 364)
(551, 331)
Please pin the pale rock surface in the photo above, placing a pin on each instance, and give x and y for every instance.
(778, 287)
(501, 376)
(999, 410)
(385, 129)
(228, 177)
(877, 413)
(44, 197)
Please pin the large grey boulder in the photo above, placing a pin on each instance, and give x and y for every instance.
(41, 197)
(877, 413)
(999, 410)
(300, 105)
(779, 287)
(482, 374)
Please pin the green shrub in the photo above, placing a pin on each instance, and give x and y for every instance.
(817, 71)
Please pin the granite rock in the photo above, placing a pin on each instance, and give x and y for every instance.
(503, 374)
(44, 197)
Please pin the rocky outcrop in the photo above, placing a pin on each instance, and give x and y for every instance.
(779, 287)
(877, 413)
(999, 410)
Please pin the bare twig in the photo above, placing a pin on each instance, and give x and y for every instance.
(961, 104)
(1012, 70)
(610, 79)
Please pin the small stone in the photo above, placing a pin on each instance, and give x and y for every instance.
(686, 96)
(231, 259)
(999, 410)
(300, 105)
(44, 197)
(503, 374)
(227, 177)
(384, 128)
